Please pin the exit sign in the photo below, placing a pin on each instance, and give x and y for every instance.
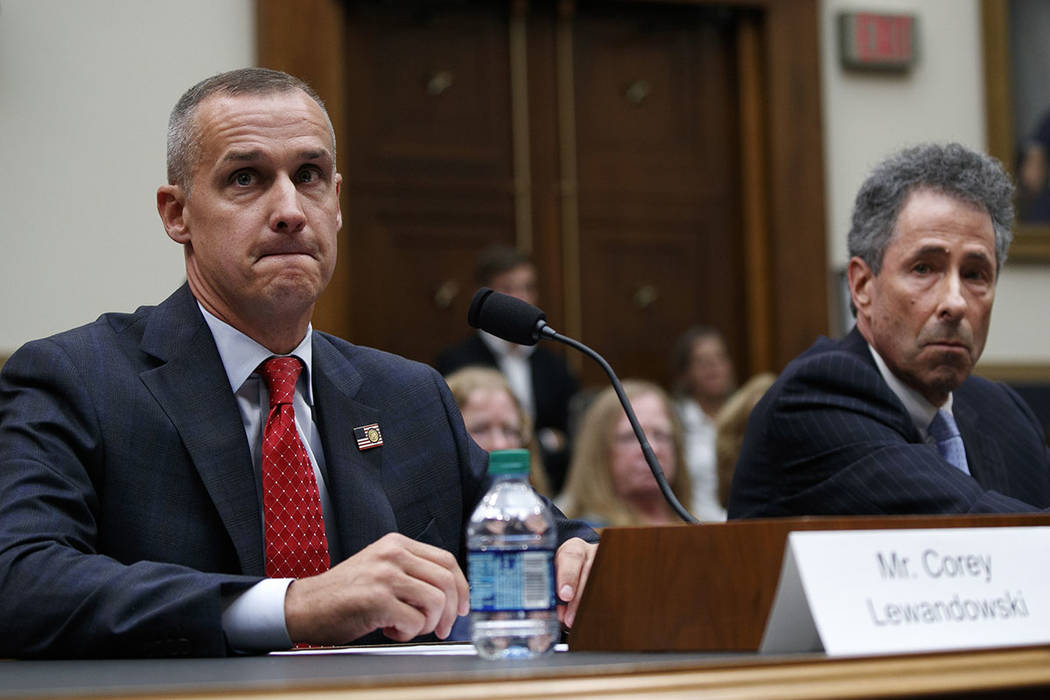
(874, 41)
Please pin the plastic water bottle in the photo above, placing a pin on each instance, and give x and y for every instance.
(511, 540)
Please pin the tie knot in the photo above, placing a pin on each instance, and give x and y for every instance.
(943, 426)
(280, 374)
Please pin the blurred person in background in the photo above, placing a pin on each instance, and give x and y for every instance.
(494, 417)
(730, 424)
(609, 481)
(1033, 191)
(539, 378)
(703, 380)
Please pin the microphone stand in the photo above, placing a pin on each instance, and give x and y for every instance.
(545, 331)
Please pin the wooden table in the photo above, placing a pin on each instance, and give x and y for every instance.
(1017, 672)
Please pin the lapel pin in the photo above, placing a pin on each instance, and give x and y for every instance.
(368, 436)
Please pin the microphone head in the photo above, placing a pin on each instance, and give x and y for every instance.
(506, 317)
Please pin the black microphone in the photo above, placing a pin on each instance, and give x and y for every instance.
(520, 322)
(506, 317)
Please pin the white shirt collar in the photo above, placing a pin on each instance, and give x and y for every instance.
(501, 348)
(919, 409)
(241, 355)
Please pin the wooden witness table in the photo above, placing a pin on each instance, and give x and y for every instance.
(1021, 672)
(669, 612)
(709, 587)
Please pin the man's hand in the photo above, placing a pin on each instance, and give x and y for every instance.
(572, 566)
(399, 585)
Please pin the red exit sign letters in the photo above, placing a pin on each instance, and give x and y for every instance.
(874, 41)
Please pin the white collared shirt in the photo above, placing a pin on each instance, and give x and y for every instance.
(701, 459)
(919, 409)
(513, 362)
(254, 620)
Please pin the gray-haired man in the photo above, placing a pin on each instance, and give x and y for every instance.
(888, 420)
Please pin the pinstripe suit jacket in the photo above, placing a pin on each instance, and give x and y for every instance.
(128, 504)
(831, 438)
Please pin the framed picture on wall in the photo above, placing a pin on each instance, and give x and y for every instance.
(1017, 96)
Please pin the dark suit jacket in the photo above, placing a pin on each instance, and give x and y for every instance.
(128, 503)
(831, 438)
(552, 388)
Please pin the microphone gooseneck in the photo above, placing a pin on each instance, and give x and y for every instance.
(520, 322)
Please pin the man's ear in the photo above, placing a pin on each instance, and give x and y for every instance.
(860, 279)
(171, 205)
(339, 212)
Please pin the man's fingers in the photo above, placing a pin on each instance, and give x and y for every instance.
(573, 606)
(447, 594)
(429, 600)
(403, 587)
(405, 623)
(573, 566)
(434, 591)
(568, 565)
(445, 560)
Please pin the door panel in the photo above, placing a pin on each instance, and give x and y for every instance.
(335, 44)
(428, 162)
(428, 166)
(659, 235)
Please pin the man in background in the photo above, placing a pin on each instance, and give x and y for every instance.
(211, 475)
(889, 420)
(539, 378)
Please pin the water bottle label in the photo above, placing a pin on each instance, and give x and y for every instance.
(502, 581)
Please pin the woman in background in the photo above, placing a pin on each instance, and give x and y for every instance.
(494, 418)
(703, 381)
(609, 481)
(730, 424)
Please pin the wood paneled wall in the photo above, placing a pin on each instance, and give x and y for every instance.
(776, 159)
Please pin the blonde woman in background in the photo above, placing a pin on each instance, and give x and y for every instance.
(609, 481)
(730, 424)
(494, 417)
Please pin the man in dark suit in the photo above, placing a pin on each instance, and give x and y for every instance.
(889, 420)
(539, 378)
(133, 470)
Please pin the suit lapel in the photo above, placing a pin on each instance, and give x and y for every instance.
(895, 412)
(982, 455)
(194, 391)
(363, 513)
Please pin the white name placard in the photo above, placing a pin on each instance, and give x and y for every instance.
(895, 591)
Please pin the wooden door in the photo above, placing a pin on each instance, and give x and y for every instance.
(603, 136)
(656, 144)
(427, 166)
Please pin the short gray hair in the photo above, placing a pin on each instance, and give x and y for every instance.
(951, 169)
(183, 133)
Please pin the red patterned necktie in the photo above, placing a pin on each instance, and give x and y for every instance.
(296, 545)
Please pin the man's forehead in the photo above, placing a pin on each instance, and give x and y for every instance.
(267, 110)
(236, 125)
(240, 101)
(525, 269)
(928, 196)
(932, 214)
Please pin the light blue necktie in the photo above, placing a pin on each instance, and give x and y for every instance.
(949, 443)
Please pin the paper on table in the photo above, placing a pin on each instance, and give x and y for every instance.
(437, 649)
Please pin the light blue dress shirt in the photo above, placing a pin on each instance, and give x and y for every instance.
(254, 620)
